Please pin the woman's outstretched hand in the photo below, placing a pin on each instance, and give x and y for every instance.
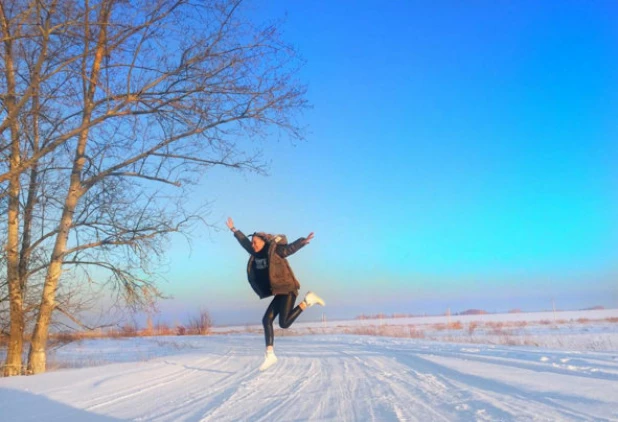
(308, 238)
(230, 224)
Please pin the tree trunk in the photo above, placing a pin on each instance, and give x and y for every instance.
(37, 354)
(16, 336)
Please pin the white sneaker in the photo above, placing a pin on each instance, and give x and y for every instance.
(269, 360)
(313, 299)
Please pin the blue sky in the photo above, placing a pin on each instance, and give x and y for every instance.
(460, 156)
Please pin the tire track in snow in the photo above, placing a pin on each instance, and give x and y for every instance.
(383, 372)
(491, 399)
(197, 399)
(176, 375)
(273, 390)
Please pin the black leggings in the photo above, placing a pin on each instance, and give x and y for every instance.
(281, 305)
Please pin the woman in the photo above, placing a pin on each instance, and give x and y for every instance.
(270, 274)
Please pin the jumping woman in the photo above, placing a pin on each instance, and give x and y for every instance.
(270, 274)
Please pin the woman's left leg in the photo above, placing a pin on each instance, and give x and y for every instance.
(268, 318)
(287, 312)
(269, 335)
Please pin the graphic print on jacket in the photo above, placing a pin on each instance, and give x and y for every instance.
(261, 263)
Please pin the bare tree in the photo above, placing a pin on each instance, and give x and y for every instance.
(127, 104)
(200, 324)
(11, 107)
(32, 42)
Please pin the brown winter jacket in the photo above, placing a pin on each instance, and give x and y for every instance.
(282, 280)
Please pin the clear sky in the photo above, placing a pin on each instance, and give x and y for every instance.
(460, 155)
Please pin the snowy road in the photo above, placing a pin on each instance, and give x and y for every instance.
(327, 378)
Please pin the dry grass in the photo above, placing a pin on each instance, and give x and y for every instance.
(457, 325)
(510, 333)
(127, 331)
(415, 333)
(399, 331)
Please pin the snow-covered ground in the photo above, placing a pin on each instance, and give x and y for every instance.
(333, 376)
